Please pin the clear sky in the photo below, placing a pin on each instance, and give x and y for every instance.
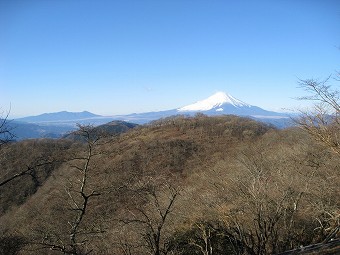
(123, 56)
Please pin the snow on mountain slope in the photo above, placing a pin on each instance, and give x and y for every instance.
(215, 101)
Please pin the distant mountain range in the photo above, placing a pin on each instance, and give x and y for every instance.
(57, 124)
(65, 118)
(53, 125)
(218, 104)
(59, 116)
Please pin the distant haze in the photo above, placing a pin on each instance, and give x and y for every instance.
(219, 103)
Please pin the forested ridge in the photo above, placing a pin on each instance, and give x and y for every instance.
(200, 185)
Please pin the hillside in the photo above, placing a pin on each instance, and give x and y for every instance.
(178, 185)
(109, 129)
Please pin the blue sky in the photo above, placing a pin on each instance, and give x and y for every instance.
(118, 57)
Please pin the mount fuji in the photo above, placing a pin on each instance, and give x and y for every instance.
(223, 103)
(218, 104)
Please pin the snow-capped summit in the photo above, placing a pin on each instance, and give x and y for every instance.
(218, 104)
(215, 101)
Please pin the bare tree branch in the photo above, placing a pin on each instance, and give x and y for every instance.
(29, 171)
(79, 194)
(153, 225)
(6, 134)
(323, 122)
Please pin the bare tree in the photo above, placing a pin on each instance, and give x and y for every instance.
(323, 121)
(79, 193)
(6, 134)
(205, 237)
(153, 219)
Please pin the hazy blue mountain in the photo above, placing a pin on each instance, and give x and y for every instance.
(65, 118)
(143, 118)
(59, 116)
(59, 124)
(23, 130)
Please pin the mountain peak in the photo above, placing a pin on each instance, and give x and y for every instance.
(214, 101)
(59, 116)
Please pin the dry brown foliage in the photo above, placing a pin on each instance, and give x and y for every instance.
(239, 184)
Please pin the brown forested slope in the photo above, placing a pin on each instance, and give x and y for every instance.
(35, 161)
(182, 186)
